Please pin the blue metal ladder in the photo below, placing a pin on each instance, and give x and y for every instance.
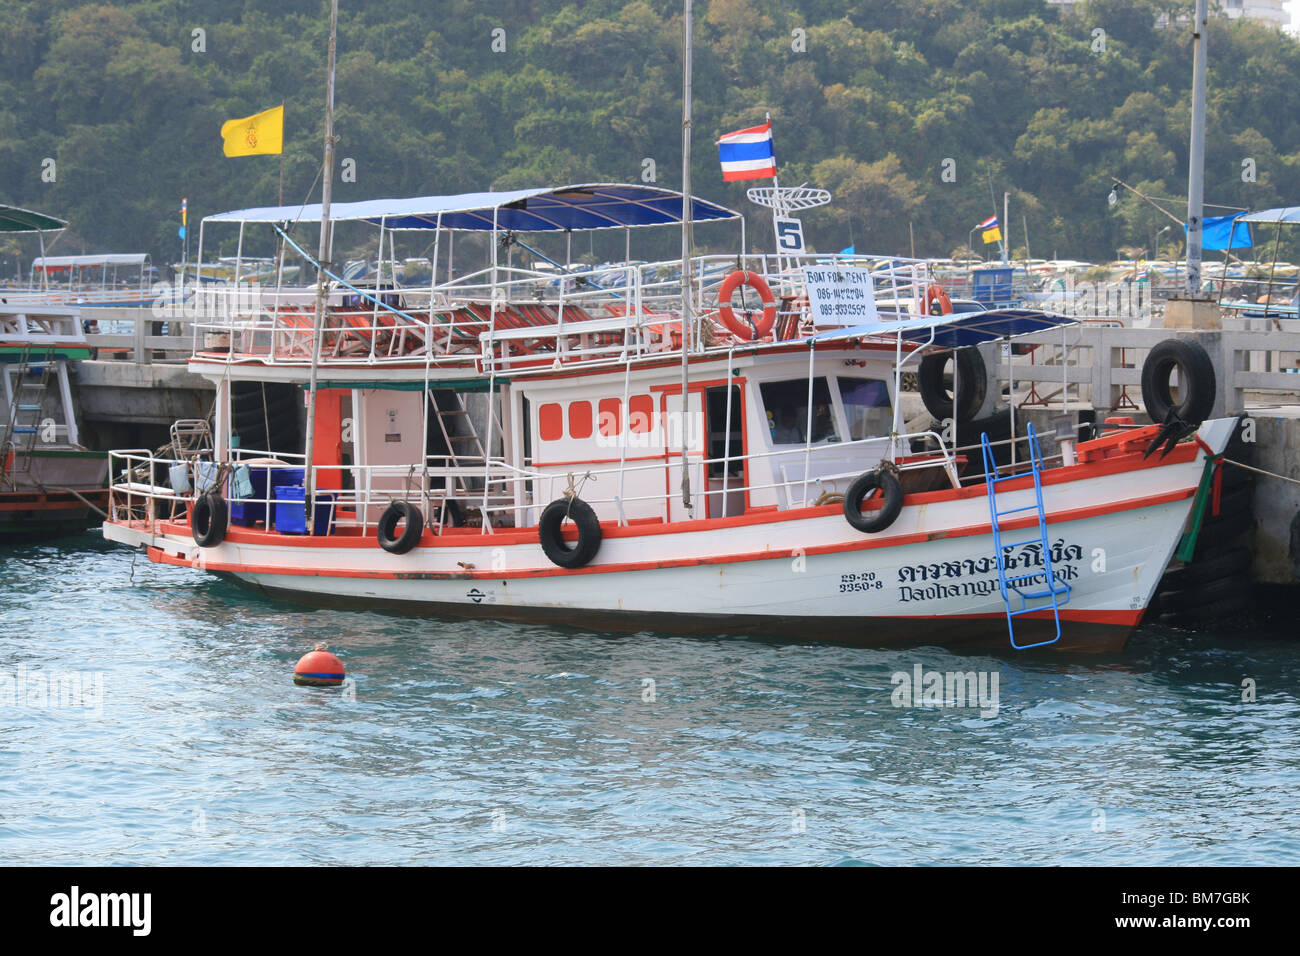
(1027, 587)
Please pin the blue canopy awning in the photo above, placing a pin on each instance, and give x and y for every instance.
(581, 207)
(1281, 214)
(955, 330)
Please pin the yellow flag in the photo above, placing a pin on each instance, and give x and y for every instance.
(992, 235)
(253, 135)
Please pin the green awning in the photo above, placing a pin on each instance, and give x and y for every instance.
(13, 219)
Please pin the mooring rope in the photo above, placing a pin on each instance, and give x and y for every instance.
(1260, 471)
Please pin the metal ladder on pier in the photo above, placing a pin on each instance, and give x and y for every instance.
(26, 405)
(1042, 587)
(464, 448)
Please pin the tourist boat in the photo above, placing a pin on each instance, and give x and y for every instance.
(502, 444)
(49, 483)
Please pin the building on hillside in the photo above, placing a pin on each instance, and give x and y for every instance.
(1268, 11)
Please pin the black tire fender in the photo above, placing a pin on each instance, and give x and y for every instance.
(1235, 504)
(1216, 610)
(972, 384)
(550, 532)
(1209, 592)
(209, 520)
(864, 484)
(1227, 563)
(1215, 536)
(386, 529)
(1196, 373)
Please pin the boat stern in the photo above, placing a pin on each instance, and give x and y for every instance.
(129, 534)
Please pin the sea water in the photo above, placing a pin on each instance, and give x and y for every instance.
(148, 716)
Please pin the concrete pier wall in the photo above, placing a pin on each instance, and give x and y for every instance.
(1277, 503)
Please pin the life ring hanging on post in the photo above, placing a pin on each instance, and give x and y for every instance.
(742, 330)
(936, 294)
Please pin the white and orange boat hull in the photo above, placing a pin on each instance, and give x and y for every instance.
(1112, 527)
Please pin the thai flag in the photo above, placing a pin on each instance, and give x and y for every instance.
(747, 153)
(989, 223)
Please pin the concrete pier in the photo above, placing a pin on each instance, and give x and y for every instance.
(1277, 503)
(125, 404)
(1097, 370)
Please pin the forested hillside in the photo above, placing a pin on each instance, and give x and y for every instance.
(868, 99)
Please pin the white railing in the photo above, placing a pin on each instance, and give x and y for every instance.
(501, 314)
(37, 323)
(147, 488)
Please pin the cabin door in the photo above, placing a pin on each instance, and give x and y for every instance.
(725, 451)
(389, 432)
(709, 436)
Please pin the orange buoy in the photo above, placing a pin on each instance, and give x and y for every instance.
(318, 668)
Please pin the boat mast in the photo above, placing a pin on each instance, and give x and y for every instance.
(327, 180)
(688, 214)
(1196, 160)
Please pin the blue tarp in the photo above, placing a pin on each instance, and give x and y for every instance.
(956, 330)
(580, 207)
(1216, 230)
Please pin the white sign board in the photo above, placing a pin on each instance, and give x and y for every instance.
(840, 295)
(789, 237)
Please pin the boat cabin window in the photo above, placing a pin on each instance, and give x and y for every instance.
(866, 407)
(786, 407)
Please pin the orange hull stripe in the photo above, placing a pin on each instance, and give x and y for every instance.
(1183, 453)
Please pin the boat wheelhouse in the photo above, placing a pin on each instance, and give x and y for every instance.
(624, 447)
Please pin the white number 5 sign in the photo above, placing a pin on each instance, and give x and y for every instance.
(789, 236)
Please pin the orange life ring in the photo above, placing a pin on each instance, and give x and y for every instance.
(741, 329)
(937, 293)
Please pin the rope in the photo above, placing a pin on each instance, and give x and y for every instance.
(266, 419)
(85, 501)
(570, 493)
(1260, 471)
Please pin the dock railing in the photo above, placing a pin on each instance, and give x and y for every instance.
(138, 336)
(1099, 362)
